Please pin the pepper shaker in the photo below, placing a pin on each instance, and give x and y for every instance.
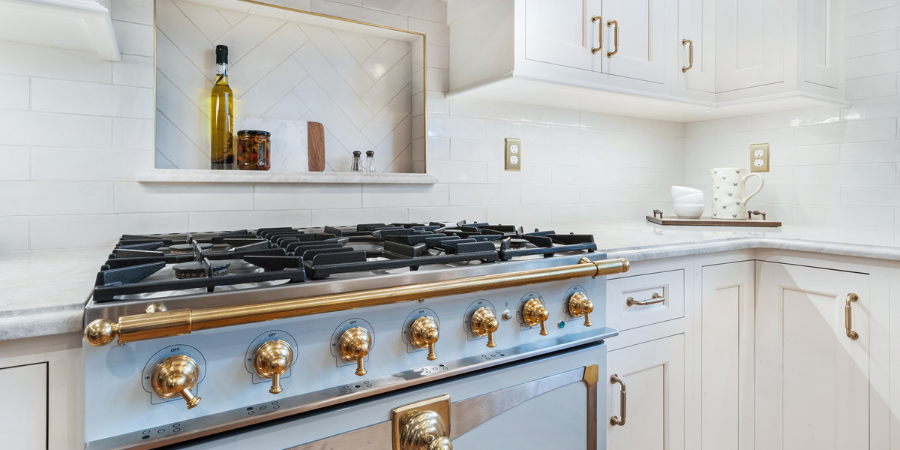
(355, 165)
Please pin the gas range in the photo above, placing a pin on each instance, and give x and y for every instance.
(278, 325)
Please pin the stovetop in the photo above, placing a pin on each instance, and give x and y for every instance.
(148, 266)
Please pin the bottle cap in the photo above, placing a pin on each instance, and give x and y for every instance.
(253, 133)
(370, 153)
(221, 54)
(357, 153)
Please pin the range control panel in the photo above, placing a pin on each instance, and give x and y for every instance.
(255, 368)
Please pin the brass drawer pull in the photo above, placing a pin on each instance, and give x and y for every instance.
(599, 33)
(615, 38)
(848, 317)
(656, 298)
(615, 420)
(690, 54)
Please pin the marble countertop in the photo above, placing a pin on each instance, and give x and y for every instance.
(44, 292)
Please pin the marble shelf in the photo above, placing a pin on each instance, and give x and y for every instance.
(242, 176)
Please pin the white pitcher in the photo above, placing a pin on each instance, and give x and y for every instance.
(729, 190)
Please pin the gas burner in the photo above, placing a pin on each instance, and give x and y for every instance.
(197, 269)
(517, 243)
(181, 249)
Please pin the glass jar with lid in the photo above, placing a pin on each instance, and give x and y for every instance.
(253, 150)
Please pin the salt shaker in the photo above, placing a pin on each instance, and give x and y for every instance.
(355, 166)
(370, 161)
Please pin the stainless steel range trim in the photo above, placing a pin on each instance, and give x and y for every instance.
(229, 420)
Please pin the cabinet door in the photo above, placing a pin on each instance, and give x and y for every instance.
(822, 20)
(641, 27)
(697, 23)
(653, 374)
(749, 43)
(812, 389)
(24, 424)
(560, 32)
(726, 356)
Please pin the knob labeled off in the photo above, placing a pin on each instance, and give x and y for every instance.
(424, 333)
(534, 313)
(176, 376)
(354, 345)
(484, 323)
(272, 360)
(579, 306)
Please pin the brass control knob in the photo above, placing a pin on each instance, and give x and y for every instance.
(423, 430)
(175, 376)
(579, 305)
(272, 360)
(424, 333)
(355, 345)
(484, 322)
(535, 313)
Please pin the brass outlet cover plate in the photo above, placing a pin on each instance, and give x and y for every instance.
(440, 405)
(759, 158)
(513, 154)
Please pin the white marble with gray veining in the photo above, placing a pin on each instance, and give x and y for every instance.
(44, 292)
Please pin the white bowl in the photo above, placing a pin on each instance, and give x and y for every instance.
(690, 199)
(689, 211)
(681, 191)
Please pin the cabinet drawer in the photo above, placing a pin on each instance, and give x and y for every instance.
(655, 297)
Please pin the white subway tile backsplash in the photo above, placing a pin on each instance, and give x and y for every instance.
(137, 11)
(872, 21)
(16, 165)
(133, 197)
(719, 126)
(805, 156)
(486, 109)
(265, 57)
(75, 97)
(484, 194)
(14, 92)
(451, 214)
(530, 173)
(134, 39)
(886, 152)
(359, 13)
(338, 217)
(54, 130)
(550, 116)
(438, 32)
(43, 198)
(548, 194)
(87, 164)
(878, 64)
(795, 118)
(873, 108)
(857, 131)
(438, 149)
(236, 220)
(435, 10)
(871, 195)
(870, 44)
(385, 196)
(860, 174)
(15, 235)
(133, 71)
(55, 232)
(275, 196)
(863, 6)
(872, 87)
(455, 127)
(45, 62)
(458, 171)
(578, 213)
(534, 216)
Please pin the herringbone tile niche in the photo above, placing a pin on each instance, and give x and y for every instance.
(286, 69)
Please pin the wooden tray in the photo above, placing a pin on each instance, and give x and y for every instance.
(708, 222)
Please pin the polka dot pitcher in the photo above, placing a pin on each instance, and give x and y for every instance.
(729, 192)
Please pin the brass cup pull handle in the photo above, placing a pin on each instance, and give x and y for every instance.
(599, 33)
(848, 317)
(615, 38)
(615, 420)
(690, 54)
(655, 298)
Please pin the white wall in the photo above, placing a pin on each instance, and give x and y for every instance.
(75, 130)
(829, 167)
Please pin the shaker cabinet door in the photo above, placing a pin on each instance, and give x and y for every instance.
(641, 26)
(561, 32)
(24, 423)
(750, 43)
(812, 380)
(653, 378)
(822, 20)
(697, 39)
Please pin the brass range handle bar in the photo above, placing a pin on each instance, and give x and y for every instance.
(616, 420)
(615, 38)
(690, 54)
(599, 34)
(848, 317)
(655, 298)
(184, 321)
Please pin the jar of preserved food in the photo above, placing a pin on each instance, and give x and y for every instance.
(253, 150)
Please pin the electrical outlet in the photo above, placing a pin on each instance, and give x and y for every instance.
(513, 154)
(759, 158)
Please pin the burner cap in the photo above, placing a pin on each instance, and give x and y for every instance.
(195, 269)
(517, 243)
(178, 249)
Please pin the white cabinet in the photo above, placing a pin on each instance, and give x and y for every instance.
(561, 32)
(24, 424)
(653, 378)
(697, 49)
(812, 380)
(750, 45)
(636, 33)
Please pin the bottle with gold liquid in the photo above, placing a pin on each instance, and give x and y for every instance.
(221, 152)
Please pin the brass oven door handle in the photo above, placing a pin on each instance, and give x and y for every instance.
(615, 38)
(599, 34)
(615, 420)
(690, 54)
(655, 298)
(848, 317)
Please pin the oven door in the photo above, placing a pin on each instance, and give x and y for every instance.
(552, 401)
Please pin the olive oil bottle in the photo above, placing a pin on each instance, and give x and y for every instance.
(221, 153)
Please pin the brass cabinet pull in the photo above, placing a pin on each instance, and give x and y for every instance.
(615, 420)
(599, 33)
(655, 298)
(615, 38)
(690, 54)
(848, 317)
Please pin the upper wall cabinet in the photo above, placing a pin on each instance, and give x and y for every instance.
(685, 60)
